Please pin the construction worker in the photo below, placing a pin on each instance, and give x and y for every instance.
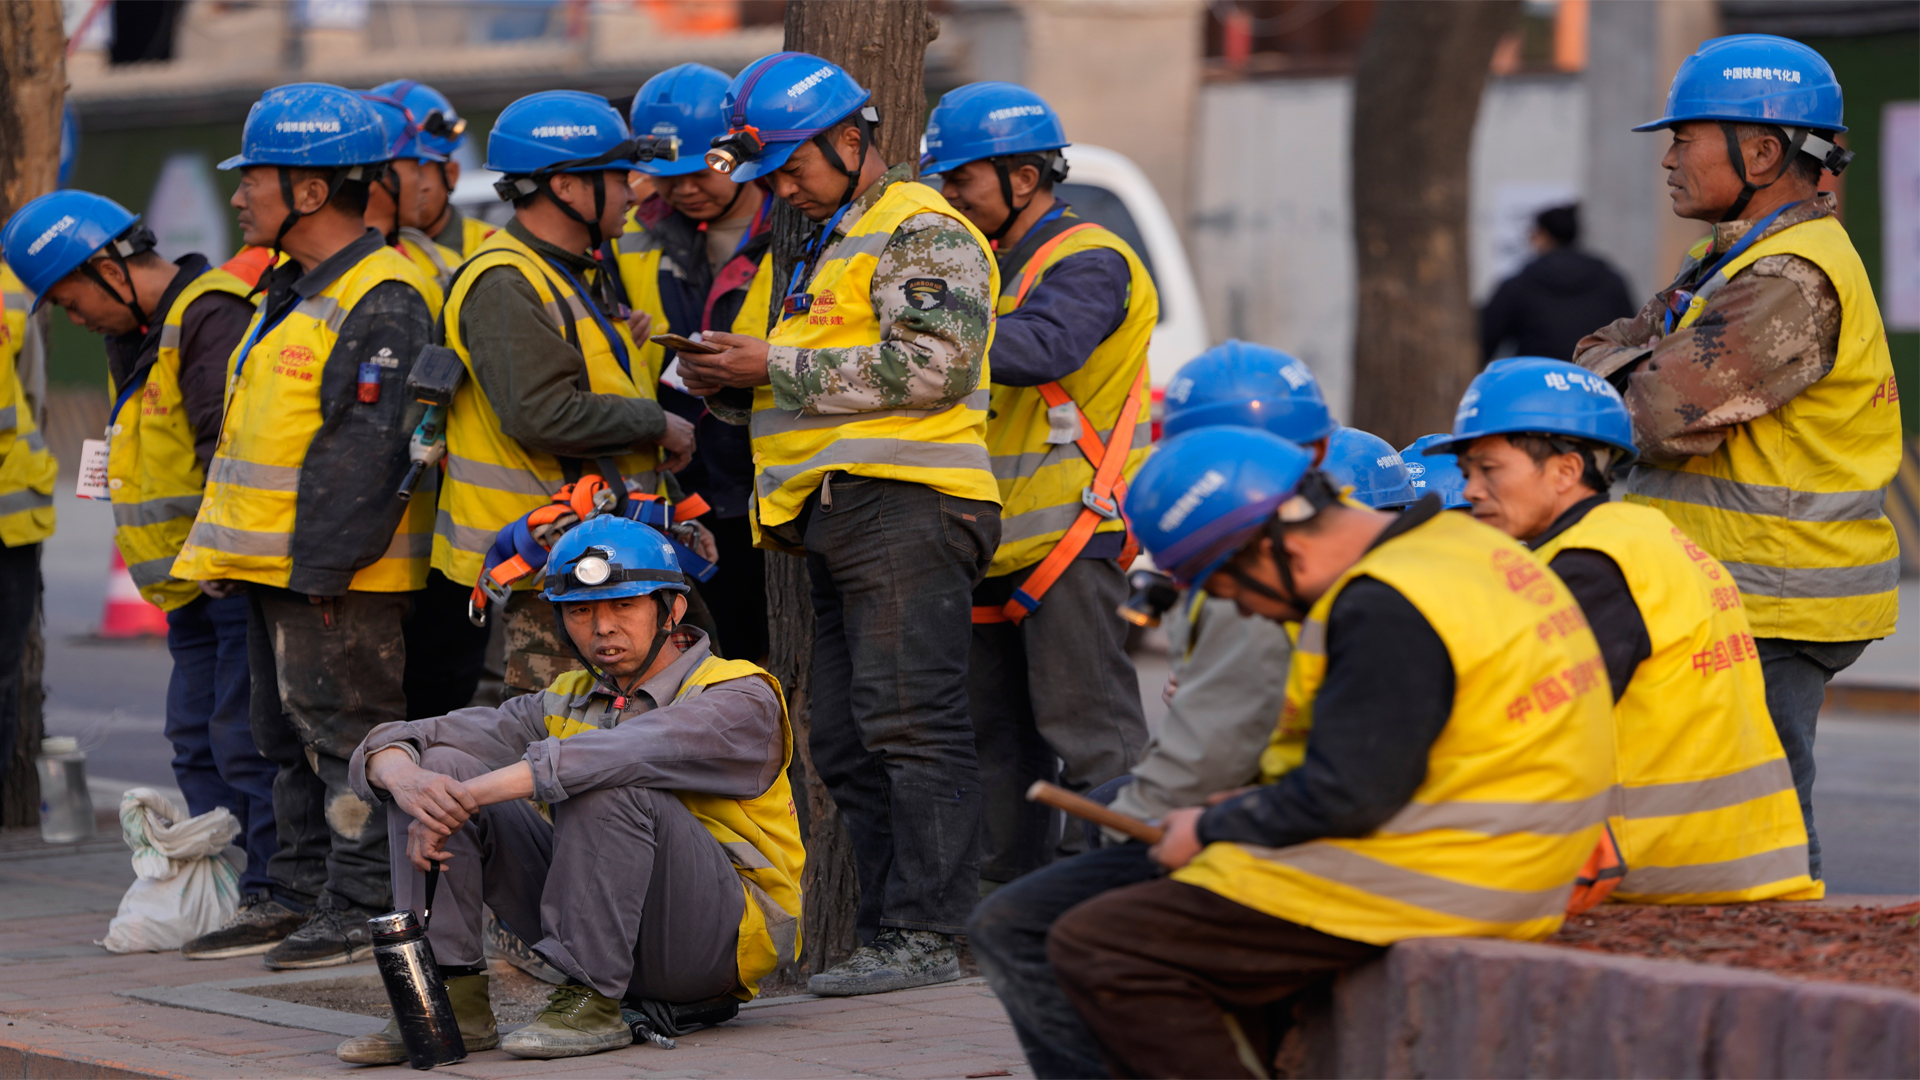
(1761, 389)
(27, 472)
(665, 870)
(394, 201)
(439, 132)
(1051, 688)
(868, 423)
(300, 505)
(1442, 766)
(1435, 474)
(1707, 811)
(169, 329)
(555, 388)
(1369, 468)
(692, 260)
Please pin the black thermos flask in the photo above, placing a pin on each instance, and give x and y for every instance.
(414, 987)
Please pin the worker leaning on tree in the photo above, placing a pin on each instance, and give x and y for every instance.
(27, 473)
(556, 387)
(1761, 389)
(170, 329)
(1051, 688)
(394, 200)
(695, 258)
(1706, 811)
(868, 417)
(300, 506)
(440, 132)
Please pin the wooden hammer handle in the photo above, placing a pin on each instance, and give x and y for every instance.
(1081, 807)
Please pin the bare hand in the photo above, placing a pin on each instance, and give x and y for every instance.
(700, 539)
(433, 800)
(425, 847)
(220, 590)
(1166, 692)
(640, 324)
(744, 363)
(677, 441)
(1181, 839)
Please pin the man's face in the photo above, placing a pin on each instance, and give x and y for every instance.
(577, 190)
(810, 183)
(261, 207)
(974, 190)
(436, 180)
(407, 172)
(383, 213)
(702, 196)
(615, 634)
(1512, 493)
(89, 306)
(1701, 177)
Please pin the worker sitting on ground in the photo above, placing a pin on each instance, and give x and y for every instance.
(667, 866)
(1707, 813)
(1441, 766)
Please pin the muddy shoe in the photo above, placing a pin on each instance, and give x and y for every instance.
(577, 1020)
(259, 925)
(897, 960)
(329, 938)
(471, 1008)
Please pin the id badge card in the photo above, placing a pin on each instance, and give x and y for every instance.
(92, 483)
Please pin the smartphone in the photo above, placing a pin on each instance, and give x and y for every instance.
(686, 344)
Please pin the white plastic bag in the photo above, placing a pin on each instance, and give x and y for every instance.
(188, 877)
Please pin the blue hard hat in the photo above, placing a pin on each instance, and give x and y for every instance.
(69, 143)
(787, 98)
(1203, 495)
(313, 126)
(50, 237)
(1532, 395)
(1370, 466)
(989, 120)
(1249, 385)
(557, 131)
(439, 131)
(403, 130)
(1754, 79)
(681, 103)
(1435, 472)
(608, 557)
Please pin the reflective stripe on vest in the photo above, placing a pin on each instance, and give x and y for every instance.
(492, 479)
(27, 468)
(246, 522)
(944, 448)
(1791, 502)
(760, 835)
(1517, 783)
(153, 475)
(1703, 781)
(437, 261)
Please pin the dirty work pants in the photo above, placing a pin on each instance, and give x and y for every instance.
(208, 706)
(446, 653)
(19, 610)
(1174, 980)
(893, 566)
(1797, 673)
(324, 675)
(626, 891)
(1054, 697)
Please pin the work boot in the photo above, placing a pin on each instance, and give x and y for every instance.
(897, 960)
(578, 1020)
(259, 925)
(329, 938)
(471, 1007)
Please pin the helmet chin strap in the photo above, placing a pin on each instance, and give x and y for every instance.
(390, 180)
(1006, 194)
(664, 598)
(863, 120)
(132, 242)
(338, 178)
(1738, 158)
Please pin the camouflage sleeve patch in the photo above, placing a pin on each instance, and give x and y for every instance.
(1619, 343)
(932, 296)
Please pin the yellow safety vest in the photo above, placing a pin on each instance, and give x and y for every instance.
(27, 467)
(492, 479)
(1036, 457)
(153, 475)
(1707, 812)
(246, 521)
(1793, 502)
(945, 449)
(639, 260)
(473, 233)
(439, 262)
(761, 835)
(1517, 784)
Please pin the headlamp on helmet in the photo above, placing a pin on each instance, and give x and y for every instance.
(739, 145)
(1151, 594)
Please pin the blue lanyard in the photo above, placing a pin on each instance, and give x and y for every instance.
(261, 328)
(814, 249)
(1739, 248)
(614, 340)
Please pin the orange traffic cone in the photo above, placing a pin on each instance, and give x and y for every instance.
(126, 614)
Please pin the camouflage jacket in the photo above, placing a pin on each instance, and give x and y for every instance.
(924, 359)
(1771, 332)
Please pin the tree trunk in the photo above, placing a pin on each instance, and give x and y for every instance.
(1416, 94)
(33, 84)
(883, 46)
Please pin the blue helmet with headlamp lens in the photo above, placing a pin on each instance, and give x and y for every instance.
(681, 103)
(1203, 495)
(1248, 385)
(608, 557)
(780, 101)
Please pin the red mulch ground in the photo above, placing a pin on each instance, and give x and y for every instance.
(1880, 946)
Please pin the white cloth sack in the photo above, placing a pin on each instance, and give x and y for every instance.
(188, 878)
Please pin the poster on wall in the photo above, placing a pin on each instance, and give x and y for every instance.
(1900, 215)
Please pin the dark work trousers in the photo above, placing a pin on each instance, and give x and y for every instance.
(1008, 934)
(209, 722)
(893, 566)
(1174, 980)
(19, 607)
(1797, 673)
(737, 592)
(446, 653)
(324, 675)
(625, 891)
(1054, 697)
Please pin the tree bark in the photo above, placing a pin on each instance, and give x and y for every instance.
(1416, 95)
(33, 85)
(883, 46)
